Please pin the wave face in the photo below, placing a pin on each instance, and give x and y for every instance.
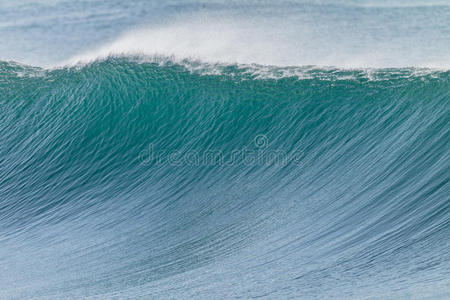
(130, 180)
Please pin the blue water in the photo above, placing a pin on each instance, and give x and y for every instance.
(217, 149)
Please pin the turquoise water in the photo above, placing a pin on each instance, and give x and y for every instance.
(131, 167)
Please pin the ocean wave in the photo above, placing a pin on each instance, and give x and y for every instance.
(332, 185)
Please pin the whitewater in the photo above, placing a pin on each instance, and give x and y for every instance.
(224, 149)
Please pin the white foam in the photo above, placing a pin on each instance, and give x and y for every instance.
(291, 40)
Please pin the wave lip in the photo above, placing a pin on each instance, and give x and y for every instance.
(351, 34)
(296, 35)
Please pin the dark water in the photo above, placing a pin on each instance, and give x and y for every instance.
(129, 179)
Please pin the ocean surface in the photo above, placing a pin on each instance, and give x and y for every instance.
(224, 149)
